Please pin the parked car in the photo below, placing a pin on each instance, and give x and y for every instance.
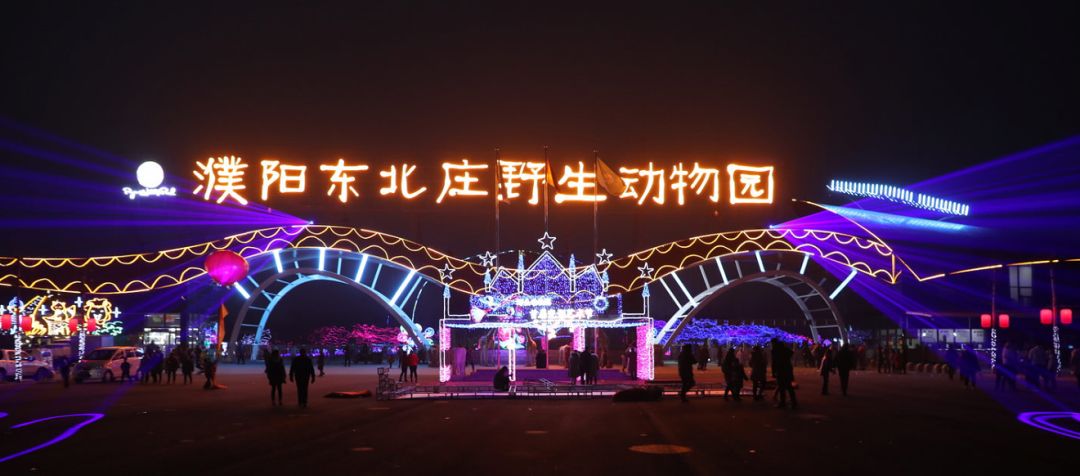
(32, 367)
(103, 363)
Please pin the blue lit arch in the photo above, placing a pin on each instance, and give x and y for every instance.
(396, 288)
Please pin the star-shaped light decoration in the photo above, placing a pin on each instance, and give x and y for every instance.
(605, 257)
(488, 259)
(646, 271)
(116, 312)
(78, 301)
(547, 242)
(446, 273)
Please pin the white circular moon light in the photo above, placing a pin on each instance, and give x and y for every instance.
(150, 174)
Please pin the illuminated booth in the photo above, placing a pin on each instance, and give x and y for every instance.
(523, 303)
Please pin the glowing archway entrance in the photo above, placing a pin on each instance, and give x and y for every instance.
(790, 272)
(396, 288)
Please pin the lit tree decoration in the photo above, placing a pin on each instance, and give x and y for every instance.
(701, 330)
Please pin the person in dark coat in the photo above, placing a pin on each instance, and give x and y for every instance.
(275, 374)
(686, 370)
(301, 371)
(320, 361)
(63, 365)
(784, 373)
(735, 374)
(404, 364)
(758, 367)
(825, 368)
(502, 380)
(187, 365)
(845, 362)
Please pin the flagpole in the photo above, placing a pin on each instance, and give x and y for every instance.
(497, 221)
(546, 186)
(595, 204)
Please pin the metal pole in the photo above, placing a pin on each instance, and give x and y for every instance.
(546, 186)
(595, 204)
(497, 221)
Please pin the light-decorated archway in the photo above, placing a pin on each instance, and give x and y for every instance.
(396, 288)
(811, 287)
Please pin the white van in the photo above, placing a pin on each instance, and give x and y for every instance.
(104, 363)
(32, 367)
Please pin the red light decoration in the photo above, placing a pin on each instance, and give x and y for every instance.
(986, 321)
(26, 323)
(1003, 321)
(1066, 317)
(91, 325)
(5, 321)
(1046, 317)
(73, 325)
(226, 267)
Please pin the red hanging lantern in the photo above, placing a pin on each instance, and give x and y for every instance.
(27, 323)
(1046, 317)
(1003, 321)
(226, 267)
(73, 325)
(5, 321)
(986, 321)
(1066, 317)
(91, 325)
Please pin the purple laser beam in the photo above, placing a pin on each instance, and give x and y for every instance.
(91, 417)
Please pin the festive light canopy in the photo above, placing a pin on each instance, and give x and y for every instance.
(701, 330)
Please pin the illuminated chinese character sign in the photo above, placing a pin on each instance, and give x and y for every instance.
(225, 180)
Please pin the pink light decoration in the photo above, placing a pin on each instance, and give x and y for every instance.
(1046, 317)
(5, 321)
(444, 338)
(986, 321)
(226, 267)
(1066, 317)
(579, 339)
(91, 325)
(645, 359)
(1003, 321)
(73, 325)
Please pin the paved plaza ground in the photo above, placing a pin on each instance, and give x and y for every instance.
(891, 424)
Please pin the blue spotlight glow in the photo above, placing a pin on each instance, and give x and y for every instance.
(899, 195)
(836, 292)
(240, 289)
(401, 288)
(895, 220)
(360, 271)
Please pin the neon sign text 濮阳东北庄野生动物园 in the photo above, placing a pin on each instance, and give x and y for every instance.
(226, 179)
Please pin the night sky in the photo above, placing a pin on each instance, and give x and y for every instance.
(889, 92)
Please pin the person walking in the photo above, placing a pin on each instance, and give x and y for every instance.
(686, 370)
(172, 364)
(702, 356)
(727, 367)
(187, 365)
(879, 357)
(125, 370)
(209, 370)
(757, 372)
(321, 362)
(346, 356)
(784, 373)
(275, 374)
(301, 371)
(826, 368)
(414, 362)
(845, 363)
(573, 366)
(63, 365)
(734, 373)
(952, 361)
(403, 358)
